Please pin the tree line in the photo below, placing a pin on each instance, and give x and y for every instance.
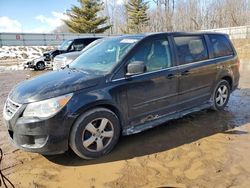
(135, 16)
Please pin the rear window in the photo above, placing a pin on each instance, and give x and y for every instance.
(221, 45)
(191, 49)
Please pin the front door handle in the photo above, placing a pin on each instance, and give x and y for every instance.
(184, 73)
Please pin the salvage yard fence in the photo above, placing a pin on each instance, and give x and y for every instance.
(52, 39)
(241, 32)
(38, 39)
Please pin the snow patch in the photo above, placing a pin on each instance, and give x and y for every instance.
(23, 52)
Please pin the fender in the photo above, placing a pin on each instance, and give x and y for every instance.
(224, 70)
(90, 100)
(39, 60)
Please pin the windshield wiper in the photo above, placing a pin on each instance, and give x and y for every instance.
(66, 67)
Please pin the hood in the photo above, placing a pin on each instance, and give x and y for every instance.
(49, 52)
(71, 55)
(52, 52)
(53, 84)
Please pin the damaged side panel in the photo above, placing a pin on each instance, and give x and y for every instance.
(158, 120)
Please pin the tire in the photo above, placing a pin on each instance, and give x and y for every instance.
(40, 65)
(221, 95)
(95, 133)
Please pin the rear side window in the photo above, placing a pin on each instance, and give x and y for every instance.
(190, 49)
(221, 46)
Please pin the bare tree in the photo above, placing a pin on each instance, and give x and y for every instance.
(183, 15)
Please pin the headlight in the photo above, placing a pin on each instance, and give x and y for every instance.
(46, 108)
(65, 61)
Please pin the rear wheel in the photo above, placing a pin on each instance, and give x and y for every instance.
(40, 66)
(95, 133)
(221, 95)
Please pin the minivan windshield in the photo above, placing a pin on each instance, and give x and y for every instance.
(102, 57)
(65, 45)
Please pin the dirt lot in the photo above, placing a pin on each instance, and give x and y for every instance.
(204, 149)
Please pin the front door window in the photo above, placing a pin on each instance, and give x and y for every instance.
(155, 54)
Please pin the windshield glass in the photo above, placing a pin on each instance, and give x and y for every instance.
(103, 56)
(92, 44)
(65, 45)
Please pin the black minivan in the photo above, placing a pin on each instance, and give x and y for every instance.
(123, 85)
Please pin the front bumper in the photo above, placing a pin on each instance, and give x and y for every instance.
(48, 136)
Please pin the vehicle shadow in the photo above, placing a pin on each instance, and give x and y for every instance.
(174, 133)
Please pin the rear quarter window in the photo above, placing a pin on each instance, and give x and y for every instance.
(220, 45)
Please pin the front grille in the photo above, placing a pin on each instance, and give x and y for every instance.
(11, 108)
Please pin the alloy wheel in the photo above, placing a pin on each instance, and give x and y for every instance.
(40, 66)
(97, 135)
(221, 95)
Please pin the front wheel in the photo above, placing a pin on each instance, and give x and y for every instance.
(221, 95)
(40, 66)
(95, 133)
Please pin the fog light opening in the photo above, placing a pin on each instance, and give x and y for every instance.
(38, 142)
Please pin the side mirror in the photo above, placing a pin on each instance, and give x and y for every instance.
(136, 67)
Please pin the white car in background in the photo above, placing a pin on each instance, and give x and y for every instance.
(61, 61)
(68, 46)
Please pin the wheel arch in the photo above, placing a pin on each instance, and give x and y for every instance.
(100, 104)
(225, 74)
(84, 114)
(229, 80)
(110, 107)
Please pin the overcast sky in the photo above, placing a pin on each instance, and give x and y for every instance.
(32, 15)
